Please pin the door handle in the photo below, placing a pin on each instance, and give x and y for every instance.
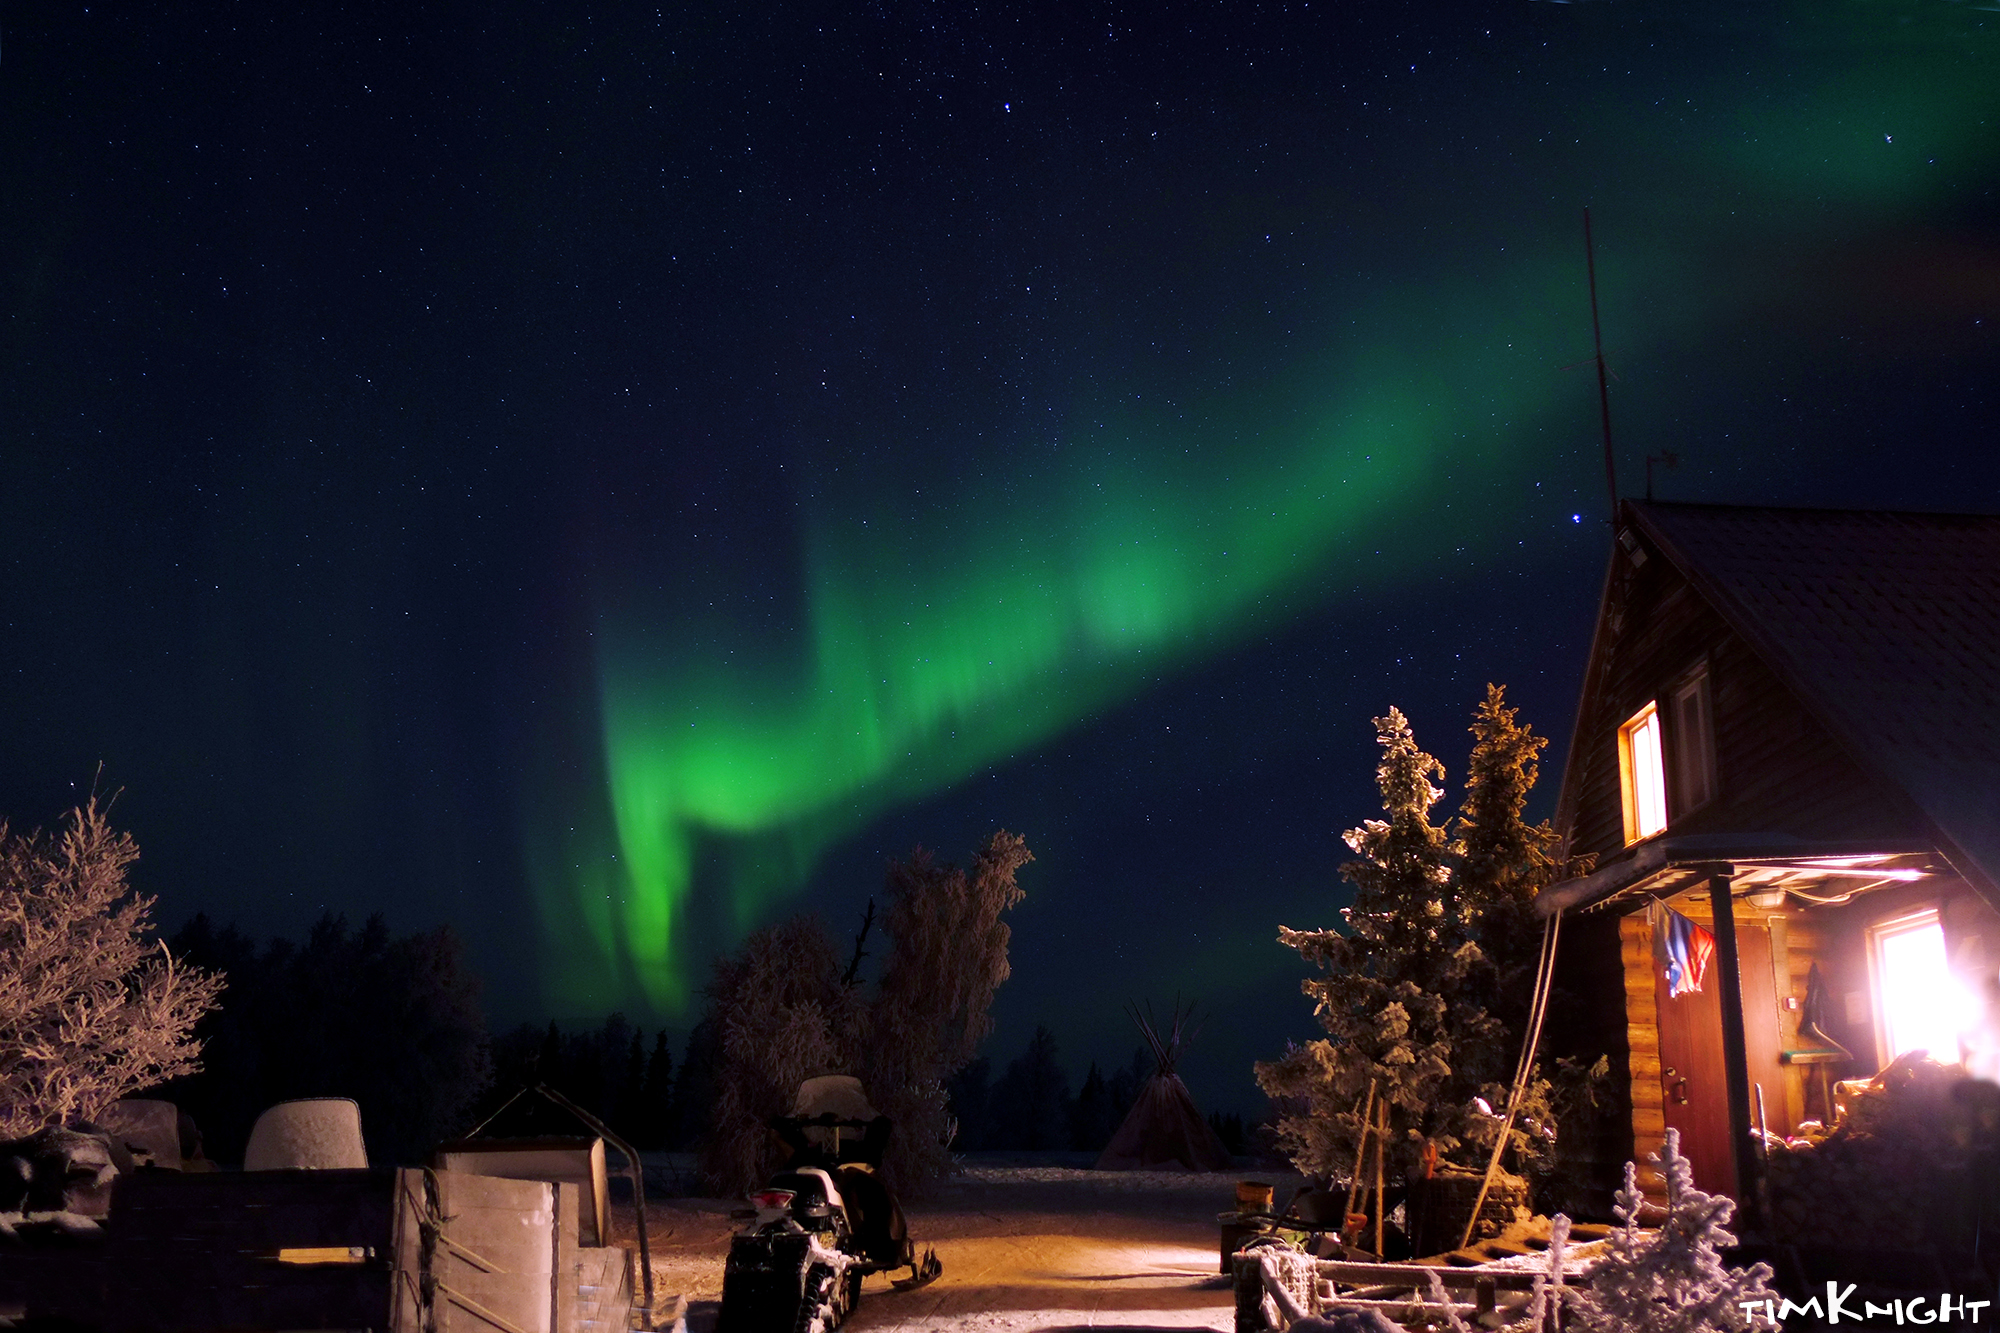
(1676, 1086)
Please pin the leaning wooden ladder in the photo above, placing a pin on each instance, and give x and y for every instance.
(1276, 1286)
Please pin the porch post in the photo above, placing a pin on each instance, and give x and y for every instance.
(1735, 1053)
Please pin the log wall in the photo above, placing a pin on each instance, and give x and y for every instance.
(1776, 768)
(1642, 1037)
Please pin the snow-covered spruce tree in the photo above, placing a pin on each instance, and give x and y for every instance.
(92, 1008)
(1502, 861)
(1388, 992)
(1499, 863)
(1671, 1280)
(1428, 993)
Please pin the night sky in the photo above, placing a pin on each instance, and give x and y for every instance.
(610, 478)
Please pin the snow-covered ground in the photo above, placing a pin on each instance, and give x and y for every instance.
(1026, 1249)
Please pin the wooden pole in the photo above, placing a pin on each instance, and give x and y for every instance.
(1366, 1124)
(1381, 1142)
(1735, 1054)
(1538, 1009)
(1603, 391)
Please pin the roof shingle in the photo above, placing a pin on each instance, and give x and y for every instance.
(1887, 625)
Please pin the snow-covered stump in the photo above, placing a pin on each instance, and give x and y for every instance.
(1274, 1287)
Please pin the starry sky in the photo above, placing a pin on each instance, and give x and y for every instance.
(610, 478)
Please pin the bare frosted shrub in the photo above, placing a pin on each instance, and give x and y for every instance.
(933, 1006)
(785, 1013)
(783, 1017)
(92, 1008)
(1671, 1279)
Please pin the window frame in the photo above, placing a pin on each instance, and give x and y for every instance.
(1647, 719)
(1900, 923)
(1690, 751)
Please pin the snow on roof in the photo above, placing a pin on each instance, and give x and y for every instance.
(1887, 625)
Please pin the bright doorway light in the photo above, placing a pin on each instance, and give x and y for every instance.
(1923, 1007)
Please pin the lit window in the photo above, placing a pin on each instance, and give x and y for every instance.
(1920, 1004)
(1691, 734)
(1641, 775)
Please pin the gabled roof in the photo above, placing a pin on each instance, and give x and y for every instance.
(1885, 625)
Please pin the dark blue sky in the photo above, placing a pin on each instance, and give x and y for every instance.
(410, 414)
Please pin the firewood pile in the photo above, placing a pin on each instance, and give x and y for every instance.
(1900, 1167)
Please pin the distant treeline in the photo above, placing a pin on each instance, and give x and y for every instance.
(396, 1024)
(1030, 1107)
(615, 1072)
(393, 1022)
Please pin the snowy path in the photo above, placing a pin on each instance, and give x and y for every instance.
(1025, 1250)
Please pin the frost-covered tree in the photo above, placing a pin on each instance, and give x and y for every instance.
(1388, 990)
(785, 1010)
(932, 1007)
(782, 1016)
(1499, 863)
(1427, 992)
(1672, 1279)
(1502, 861)
(92, 1007)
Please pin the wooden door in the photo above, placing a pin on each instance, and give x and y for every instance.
(1693, 1083)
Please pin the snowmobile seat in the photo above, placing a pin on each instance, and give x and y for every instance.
(814, 1193)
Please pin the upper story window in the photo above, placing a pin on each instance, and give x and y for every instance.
(1691, 742)
(1642, 775)
(1666, 757)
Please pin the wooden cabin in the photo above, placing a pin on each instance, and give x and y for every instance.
(1789, 732)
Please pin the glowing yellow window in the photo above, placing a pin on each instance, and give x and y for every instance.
(1919, 1004)
(1641, 776)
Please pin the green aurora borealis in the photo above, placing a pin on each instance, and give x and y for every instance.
(912, 672)
(606, 478)
(1156, 535)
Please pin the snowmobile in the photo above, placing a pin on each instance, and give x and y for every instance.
(823, 1222)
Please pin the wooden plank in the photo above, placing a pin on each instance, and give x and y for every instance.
(461, 1191)
(604, 1298)
(406, 1314)
(173, 1303)
(509, 1225)
(249, 1189)
(267, 1228)
(563, 1243)
(1418, 1276)
(1499, 1248)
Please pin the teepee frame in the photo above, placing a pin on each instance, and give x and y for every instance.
(1164, 1125)
(1166, 1053)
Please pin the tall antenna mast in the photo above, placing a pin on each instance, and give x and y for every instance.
(1603, 391)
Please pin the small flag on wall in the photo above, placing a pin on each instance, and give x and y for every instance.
(1687, 946)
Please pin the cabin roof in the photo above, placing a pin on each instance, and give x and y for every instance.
(1885, 625)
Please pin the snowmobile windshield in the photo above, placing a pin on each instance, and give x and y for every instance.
(837, 1094)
